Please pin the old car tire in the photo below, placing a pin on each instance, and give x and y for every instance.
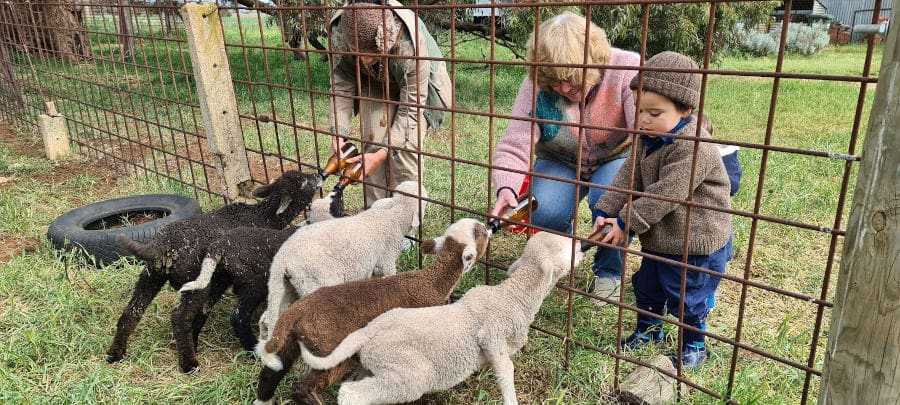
(91, 230)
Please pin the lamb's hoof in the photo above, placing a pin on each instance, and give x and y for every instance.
(190, 367)
(113, 358)
(250, 347)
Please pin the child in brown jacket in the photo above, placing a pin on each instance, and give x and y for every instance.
(663, 168)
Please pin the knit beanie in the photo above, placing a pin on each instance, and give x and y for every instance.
(678, 86)
(376, 26)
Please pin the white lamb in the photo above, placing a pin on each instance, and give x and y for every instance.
(411, 352)
(340, 250)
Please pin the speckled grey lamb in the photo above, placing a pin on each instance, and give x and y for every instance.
(324, 318)
(341, 250)
(239, 258)
(414, 351)
(176, 252)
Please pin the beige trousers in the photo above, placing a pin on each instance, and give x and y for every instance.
(376, 118)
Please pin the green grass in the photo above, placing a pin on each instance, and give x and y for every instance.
(57, 316)
(846, 60)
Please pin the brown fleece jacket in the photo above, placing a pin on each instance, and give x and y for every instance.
(660, 225)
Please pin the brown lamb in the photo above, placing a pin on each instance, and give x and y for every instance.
(324, 318)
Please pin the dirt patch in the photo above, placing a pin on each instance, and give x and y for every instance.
(107, 172)
(13, 246)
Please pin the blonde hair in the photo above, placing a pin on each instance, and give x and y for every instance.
(562, 40)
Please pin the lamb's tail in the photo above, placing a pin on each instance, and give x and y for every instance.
(206, 272)
(268, 349)
(347, 348)
(142, 250)
(269, 358)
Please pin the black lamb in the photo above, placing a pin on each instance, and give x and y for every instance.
(239, 258)
(176, 252)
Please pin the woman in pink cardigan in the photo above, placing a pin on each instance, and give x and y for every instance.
(585, 113)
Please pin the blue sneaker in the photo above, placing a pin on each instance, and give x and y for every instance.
(637, 340)
(692, 358)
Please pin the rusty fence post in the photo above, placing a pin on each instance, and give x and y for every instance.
(216, 94)
(862, 361)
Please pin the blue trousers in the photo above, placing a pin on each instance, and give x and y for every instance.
(556, 204)
(657, 287)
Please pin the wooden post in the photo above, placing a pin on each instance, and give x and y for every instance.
(54, 133)
(862, 361)
(217, 102)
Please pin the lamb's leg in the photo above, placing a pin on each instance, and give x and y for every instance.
(249, 298)
(386, 268)
(146, 288)
(281, 295)
(217, 288)
(308, 390)
(189, 308)
(505, 371)
(269, 379)
(379, 390)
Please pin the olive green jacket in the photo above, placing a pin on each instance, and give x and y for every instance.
(420, 81)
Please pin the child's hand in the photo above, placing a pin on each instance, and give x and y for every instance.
(615, 236)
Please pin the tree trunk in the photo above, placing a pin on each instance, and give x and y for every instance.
(11, 80)
(168, 13)
(125, 30)
(51, 27)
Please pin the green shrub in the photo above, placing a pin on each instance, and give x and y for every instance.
(806, 39)
(757, 44)
(801, 39)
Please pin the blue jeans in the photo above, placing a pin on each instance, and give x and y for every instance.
(657, 287)
(556, 204)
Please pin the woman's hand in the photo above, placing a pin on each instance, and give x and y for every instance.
(371, 161)
(615, 236)
(505, 199)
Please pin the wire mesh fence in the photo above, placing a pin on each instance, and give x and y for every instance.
(121, 74)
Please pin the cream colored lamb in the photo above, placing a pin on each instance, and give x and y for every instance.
(341, 250)
(411, 352)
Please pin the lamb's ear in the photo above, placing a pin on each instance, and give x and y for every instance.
(262, 191)
(285, 202)
(432, 245)
(469, 256)
(548, 267)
